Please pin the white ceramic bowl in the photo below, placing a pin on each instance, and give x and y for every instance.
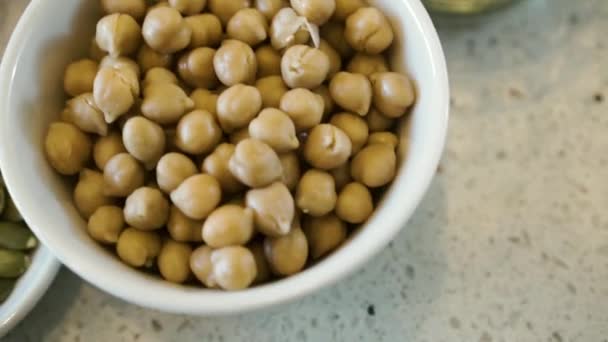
(52, 33)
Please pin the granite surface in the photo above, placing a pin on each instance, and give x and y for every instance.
(511, 241)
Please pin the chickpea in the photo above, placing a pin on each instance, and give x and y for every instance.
(120, 63)
(287, 254)
(261, 264)
(174, 261)
(288, 29)
(249, 26)
(316, 193)
(165, 103)
(67, 148)
(106, 224)
(148, 58)
(144, 140)
(354, 126)
(205, 100)
(364, 165)
(118, 34)
(240, 135)
(234, 63)
(393, 93)
(341, 175)
(304, 107)
(146, 209)
(79, 77)
(198, 133)
(188, 7)
(328, 102)
(182, 228)
(172, 169)
(344, 8)
(317, 12)
(82, 112)
(304, 67)
(197, 196)
(276, 129)
(138, 248)
(134, 8)
(269, 8)
(89, 193)
(272, 89)
(115, 91)
(333, 33)
(269, 61)
(237, 106)
(255, 164)
(95, 52)
(159, 75)
(216, 164)
(324, 234)
(290, 164)
(335, 60)
(367, 65)
(383, 138)
(378, 122)
(196, 68)
(352, 92)
(224, 10)
(367, 30)
(273, 208)
(122, 175)
(228, 225)
(206, 30)
(355, 204)
(107, 147)
(230, 268)
(165, 30)
(327, 147)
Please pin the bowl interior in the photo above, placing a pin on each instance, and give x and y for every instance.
(53, 33)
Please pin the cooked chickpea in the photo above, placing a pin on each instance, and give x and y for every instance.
(333, 33)
(341, 175)
(230, 268)
(269, 8)
(344, 8)
(196, 68)
(134, 8)
(216, 164)
(288, 29)
(354, 126)
(182, 228)
(352, 92)
(106, 224)
(261, 264)
(364, 167)
(79, 77)
(118, 34)
(327, 147)
(144, 140)
(393, 93)
(67, 148)
(273, 208)
(115, 91)
(148, 58)
(287, 254)
(224, 10)
(249, 26)
(165, 103)
(316, 193)
(138, 248)
(335, 60)
(255, 164)
(328, 102)
(197, 196)
(276, 129)
(82, 112)
(121, 62)
(159, 75)
(383, 138)
(367, 30)
(355, 204)
(188, 7)
(365, 64)
(324, 234)
(304, 67)
(174, 261)
(269, 61)
(237, 106)
(206, 30)
(272, 89)
(89, 193)
(172, 169)
(165, 30)
(234, 63)
(290, 163)
(304, 107)
(107, 147)
(198, 133)
(378, 122)
(228, 225)
(146, 209)
(205, 100)
(240, 135)
(317, 12)
(122, 175)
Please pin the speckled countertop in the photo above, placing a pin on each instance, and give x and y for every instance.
(511, 241)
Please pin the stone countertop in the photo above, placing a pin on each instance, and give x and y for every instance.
(509, 244)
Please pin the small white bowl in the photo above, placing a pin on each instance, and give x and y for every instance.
(52, 33)
(29, 289)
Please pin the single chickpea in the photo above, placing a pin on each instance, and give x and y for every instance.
(288, 29)
(255, 164)
(224, 10)
(138, 248)
(269, 61)
(304, 107)
(249, 26)
(367, 65)
(106, 224)
(327, 147)
(333, 33)
(290, 163)
(317, 12)
(324, 234)
(237, 106)
(316, 193)
(352, 92)
(273, 208)
(107, 147)
(206, 30)
(146, 209)
(148, 58)
(276, 129)
(261, 264)
(115, 91)
(158, 75)
(272, 89)
(165, 30)
(344, 8)
(144, 140)
(304, 67)
(228, 225)
(89, 193)
(134, 8)
(367, 30)
(196, 68)
(165, 103)
(383, 138)
(121, 63)
(182, 228)
(118, 34)
(67, 148)
(287, 254)
(172, 169)
(188, 7)
(197, 196)
(364, 165)
(269, 8)
(378, 122)
(234, 63)
(393, 93)
(354, 126)
(205, 100)
(217, 165)
(122, 175)
(230, 268)
(355, 204)
(79, 77)
(198, 133)
(341, 175)
(174, 261)
(82, 112)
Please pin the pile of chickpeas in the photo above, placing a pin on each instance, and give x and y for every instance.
(230, 142)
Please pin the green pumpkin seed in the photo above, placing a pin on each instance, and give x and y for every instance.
(16, 236)
(13, 263)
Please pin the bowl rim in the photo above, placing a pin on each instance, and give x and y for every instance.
(210, 302)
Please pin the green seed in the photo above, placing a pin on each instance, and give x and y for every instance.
(6, 286)
(16, 236)
(13, 263)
